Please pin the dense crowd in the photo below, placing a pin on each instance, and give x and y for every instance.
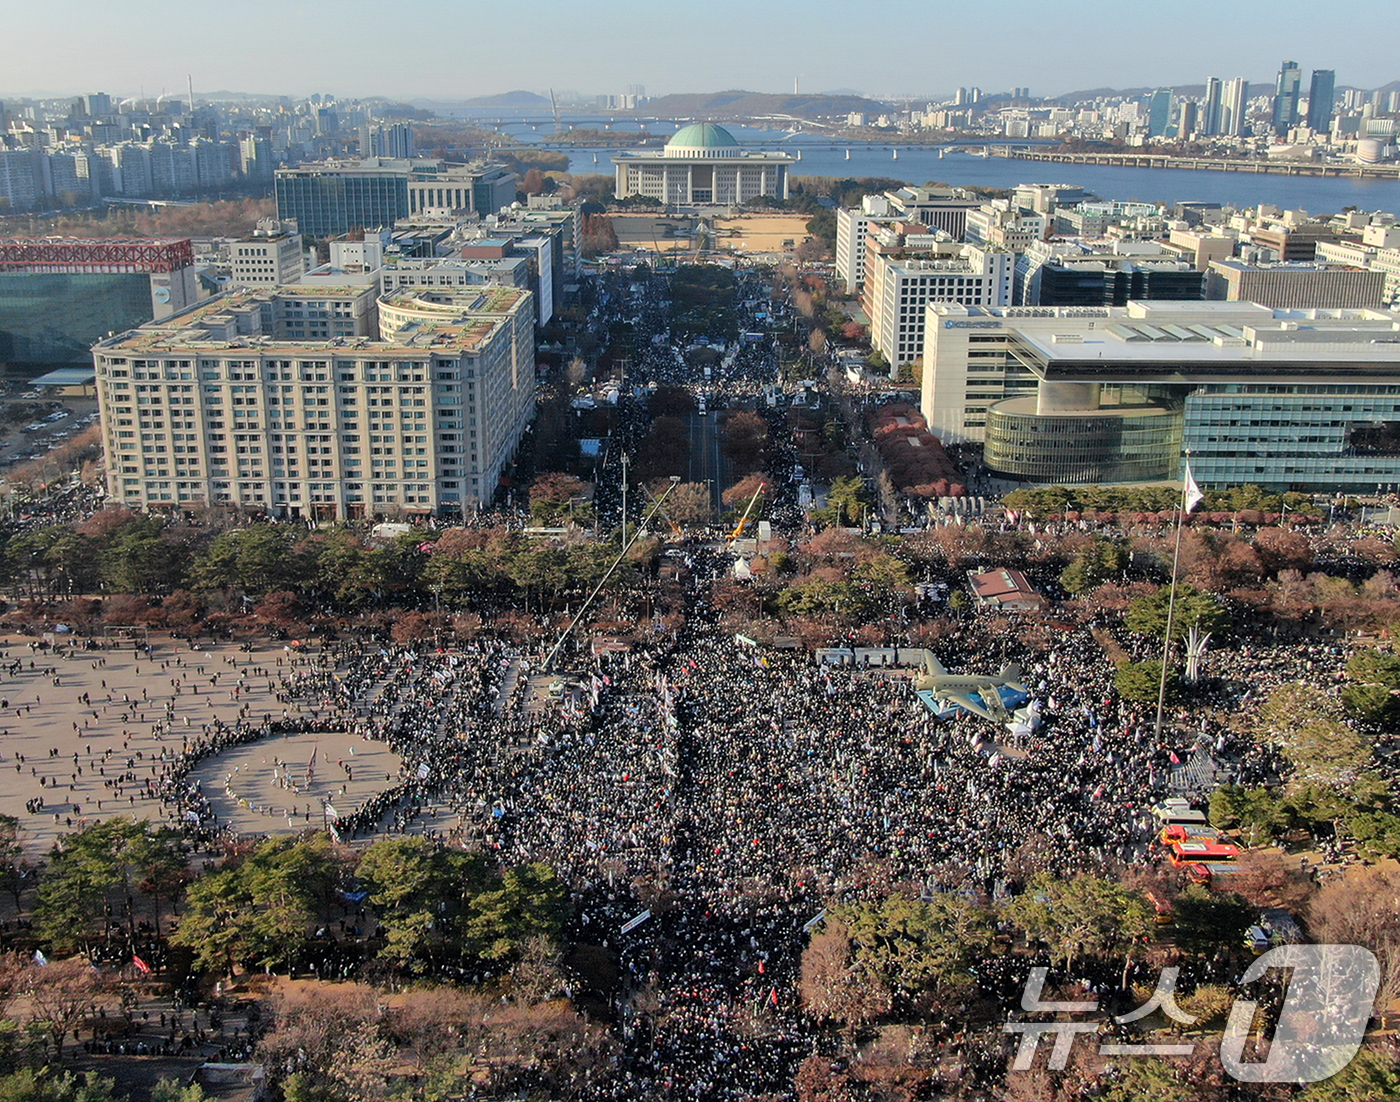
(734, 791)
(705, 798)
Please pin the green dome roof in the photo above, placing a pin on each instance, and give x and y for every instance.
(701, 135)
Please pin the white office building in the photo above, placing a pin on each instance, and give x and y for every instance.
(271, 257)
(1303, 400)
(938, 209)
(897, 292)
(851, 229)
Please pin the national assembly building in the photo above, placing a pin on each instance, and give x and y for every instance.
(702, 165)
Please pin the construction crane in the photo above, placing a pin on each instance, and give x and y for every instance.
(744, 520)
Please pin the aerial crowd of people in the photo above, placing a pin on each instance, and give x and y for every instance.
(725, 793)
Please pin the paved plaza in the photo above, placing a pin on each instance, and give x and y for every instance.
(84, 735)
(294, 781)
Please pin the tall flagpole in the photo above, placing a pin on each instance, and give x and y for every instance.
(1171, 602)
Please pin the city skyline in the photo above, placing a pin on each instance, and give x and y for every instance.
(137, 47)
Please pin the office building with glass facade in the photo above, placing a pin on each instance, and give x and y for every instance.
(1132, 443)
(335, 197)
(1303, 400)
(53, 317)
(58, 295)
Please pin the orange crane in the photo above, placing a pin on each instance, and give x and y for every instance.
(744, 520)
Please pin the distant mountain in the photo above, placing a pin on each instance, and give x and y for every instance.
(1196, 90)
(231, 97)
(509, 99)
(1098, 93)
(737, 104)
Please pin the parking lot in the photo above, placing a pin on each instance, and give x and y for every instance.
(34, 429)
(32, 424)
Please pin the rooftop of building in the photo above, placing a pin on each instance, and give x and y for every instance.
(349, 289)
(704, 141)
(423, 167)
(460, 325)
(929, 194)
(456, 319)
(451, 263)
(701, 135)
(1114, 262)
(447, 302)
(256, 236)
(67, 376)
(1283, 266)
(1026, 405)
(1185, 337)
(961, 263)
(1004, 587)
(463, 336)
(661, 156)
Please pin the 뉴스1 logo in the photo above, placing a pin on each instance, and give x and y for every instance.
(1327, 1005)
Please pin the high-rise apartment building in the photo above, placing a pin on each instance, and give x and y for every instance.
(95, 105)
(1210, 109)
(1188, 121)
(255, 155)
(387, 140)
(319, 402)
(19, 179)
(1286, 95)
(1320, 96)
(1233, 105)
(1159, 112)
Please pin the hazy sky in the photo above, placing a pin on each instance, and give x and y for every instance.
(448, 49)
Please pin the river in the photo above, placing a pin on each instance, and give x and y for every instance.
(1317, 194)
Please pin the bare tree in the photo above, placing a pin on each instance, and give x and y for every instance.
(537, 977)
(828, 983)
(311, 1023)
(436, 1021)
(1363, 909)
(58, 996)
(362, 1063)
(689, 503)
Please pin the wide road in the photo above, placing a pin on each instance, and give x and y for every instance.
(707, 462)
